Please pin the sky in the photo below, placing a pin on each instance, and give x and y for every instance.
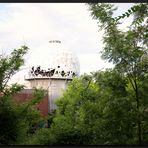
(34, 24)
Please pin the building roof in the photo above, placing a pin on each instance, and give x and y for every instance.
(64, 64)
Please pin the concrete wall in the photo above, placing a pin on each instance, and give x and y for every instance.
(55, 88)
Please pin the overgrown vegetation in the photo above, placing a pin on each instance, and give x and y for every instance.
(16, 121)
(106, 107)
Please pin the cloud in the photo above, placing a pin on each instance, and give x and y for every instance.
(92, 62)
(36, 23)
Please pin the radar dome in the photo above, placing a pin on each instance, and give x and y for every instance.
(56, 62)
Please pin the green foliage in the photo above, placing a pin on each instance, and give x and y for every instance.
(126, 50)
(42, 136)
(16, 121)
(10, 128)
(104, 11)
(8, 121)
(38, 94)
(9, 65)
(118, 113)
(95, 109)
(68, 124)
(107, 107)
(28, 112)
(139, 10)
(51, 116)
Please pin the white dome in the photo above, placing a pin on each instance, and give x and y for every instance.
(67, 61)
(56, 62)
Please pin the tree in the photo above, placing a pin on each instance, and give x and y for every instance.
(15, 120)
(9, 65)
(139, 9)
(116, 125)
(95, 109)
(42, 136)
(107, 107)
(126, 50)
(70, 124)
(67, 127)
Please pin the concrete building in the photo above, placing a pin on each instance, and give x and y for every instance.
(53, 74)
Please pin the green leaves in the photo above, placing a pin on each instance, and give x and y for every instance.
(137, 10)
(13, 89)
(107, 107)
(102, 11)
(125, 50)
(16, 120)
(91, 111)
(11, 127)
(9, 65)
(41, 137)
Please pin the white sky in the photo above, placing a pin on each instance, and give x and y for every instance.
(37, 23)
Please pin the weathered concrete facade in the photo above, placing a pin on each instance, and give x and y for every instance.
(53, 78)
(54, 86)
